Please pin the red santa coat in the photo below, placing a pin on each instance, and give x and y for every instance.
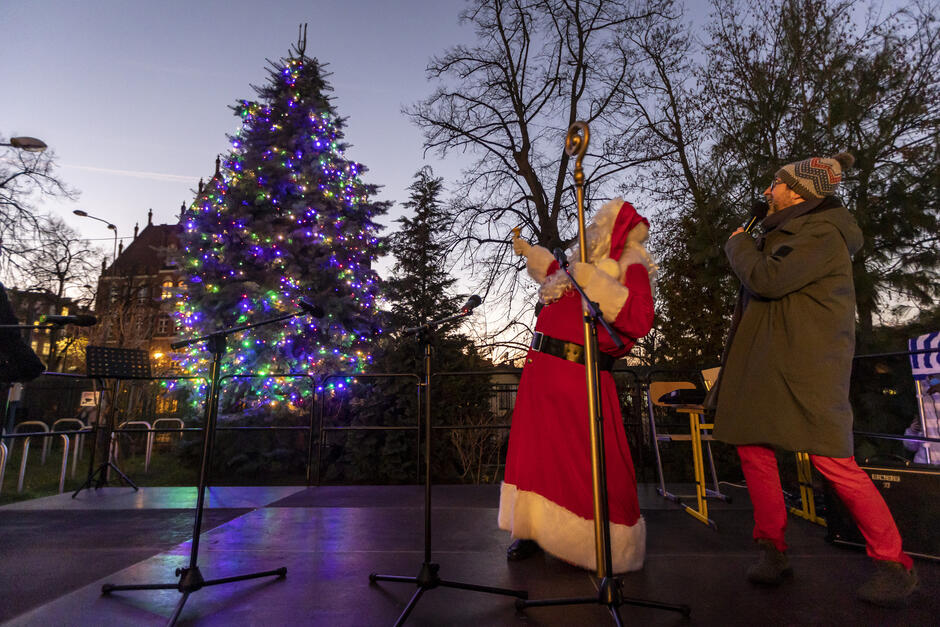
(547, 494)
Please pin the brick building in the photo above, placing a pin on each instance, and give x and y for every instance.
(138, 293)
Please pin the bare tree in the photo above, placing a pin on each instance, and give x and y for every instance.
(692, 212)
(58, 262)
(538, 66)
(129, 310)
(24, 178)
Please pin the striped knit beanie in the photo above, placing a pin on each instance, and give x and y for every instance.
(816, 177)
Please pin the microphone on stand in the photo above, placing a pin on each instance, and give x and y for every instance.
(314, 310)
(560, 258)
(759, 209)
(472, 303)
(81, 320)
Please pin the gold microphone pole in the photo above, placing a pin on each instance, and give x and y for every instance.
(610, 590)
(576, 143)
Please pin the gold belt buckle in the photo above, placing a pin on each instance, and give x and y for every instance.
(574, 353)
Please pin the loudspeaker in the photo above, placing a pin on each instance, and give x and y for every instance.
(912, 492)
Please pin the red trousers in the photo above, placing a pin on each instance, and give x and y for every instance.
(853, 486)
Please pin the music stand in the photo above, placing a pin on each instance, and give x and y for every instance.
(117, 364)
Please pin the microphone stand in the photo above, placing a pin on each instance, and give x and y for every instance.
(610, 590)
(428, 577)
(190, 579)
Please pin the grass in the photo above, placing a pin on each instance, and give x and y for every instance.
(43, 479)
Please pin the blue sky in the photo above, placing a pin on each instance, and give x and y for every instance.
(133, 96)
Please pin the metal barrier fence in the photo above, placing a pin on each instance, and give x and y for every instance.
(883, 396)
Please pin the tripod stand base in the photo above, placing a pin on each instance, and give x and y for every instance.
(609, 594)
(190, 580)
(428, 579)
(101, 471)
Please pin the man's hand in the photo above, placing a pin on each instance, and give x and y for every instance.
(740, 229)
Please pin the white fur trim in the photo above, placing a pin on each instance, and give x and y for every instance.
(538, 259)
(566, 535)
(631, 256)
(635, 252)
(609, 294)
(609, 267)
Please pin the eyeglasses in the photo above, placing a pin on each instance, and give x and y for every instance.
(775, 182)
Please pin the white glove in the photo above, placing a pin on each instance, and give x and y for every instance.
(600, 287)
(583, 273)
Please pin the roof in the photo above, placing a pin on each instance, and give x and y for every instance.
(147, 253)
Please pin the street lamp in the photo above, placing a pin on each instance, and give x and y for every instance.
(85, 214)
(29, 144)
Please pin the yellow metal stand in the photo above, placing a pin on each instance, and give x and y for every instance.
(804, 474)
(699, 437)
(698, 432)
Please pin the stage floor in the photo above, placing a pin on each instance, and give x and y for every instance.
(56, 553)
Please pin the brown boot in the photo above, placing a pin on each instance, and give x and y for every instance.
(772, 568)
(890, 586)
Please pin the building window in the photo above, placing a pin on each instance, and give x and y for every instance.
(163, 326)
(167, 292)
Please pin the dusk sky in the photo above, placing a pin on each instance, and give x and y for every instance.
(134, 97)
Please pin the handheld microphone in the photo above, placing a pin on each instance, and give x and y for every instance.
(759, 209)
(472, 303)
(314, 310)
(81, 320)
(560, 257)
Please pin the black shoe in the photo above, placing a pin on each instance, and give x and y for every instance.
(772, 568)
(890, 586)
(522, 549)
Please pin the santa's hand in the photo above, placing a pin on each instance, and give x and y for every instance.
(520, 246)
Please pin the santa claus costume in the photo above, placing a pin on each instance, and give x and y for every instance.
(547, 494)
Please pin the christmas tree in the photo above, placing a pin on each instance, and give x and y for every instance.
(285, 218)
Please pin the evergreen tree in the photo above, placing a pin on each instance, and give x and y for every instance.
(286, 218)
(419, 290)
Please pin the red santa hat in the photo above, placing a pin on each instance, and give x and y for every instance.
(627, 218)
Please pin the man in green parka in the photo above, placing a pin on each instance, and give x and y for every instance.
(785, 379)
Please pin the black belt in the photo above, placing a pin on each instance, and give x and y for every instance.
(568, 350)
